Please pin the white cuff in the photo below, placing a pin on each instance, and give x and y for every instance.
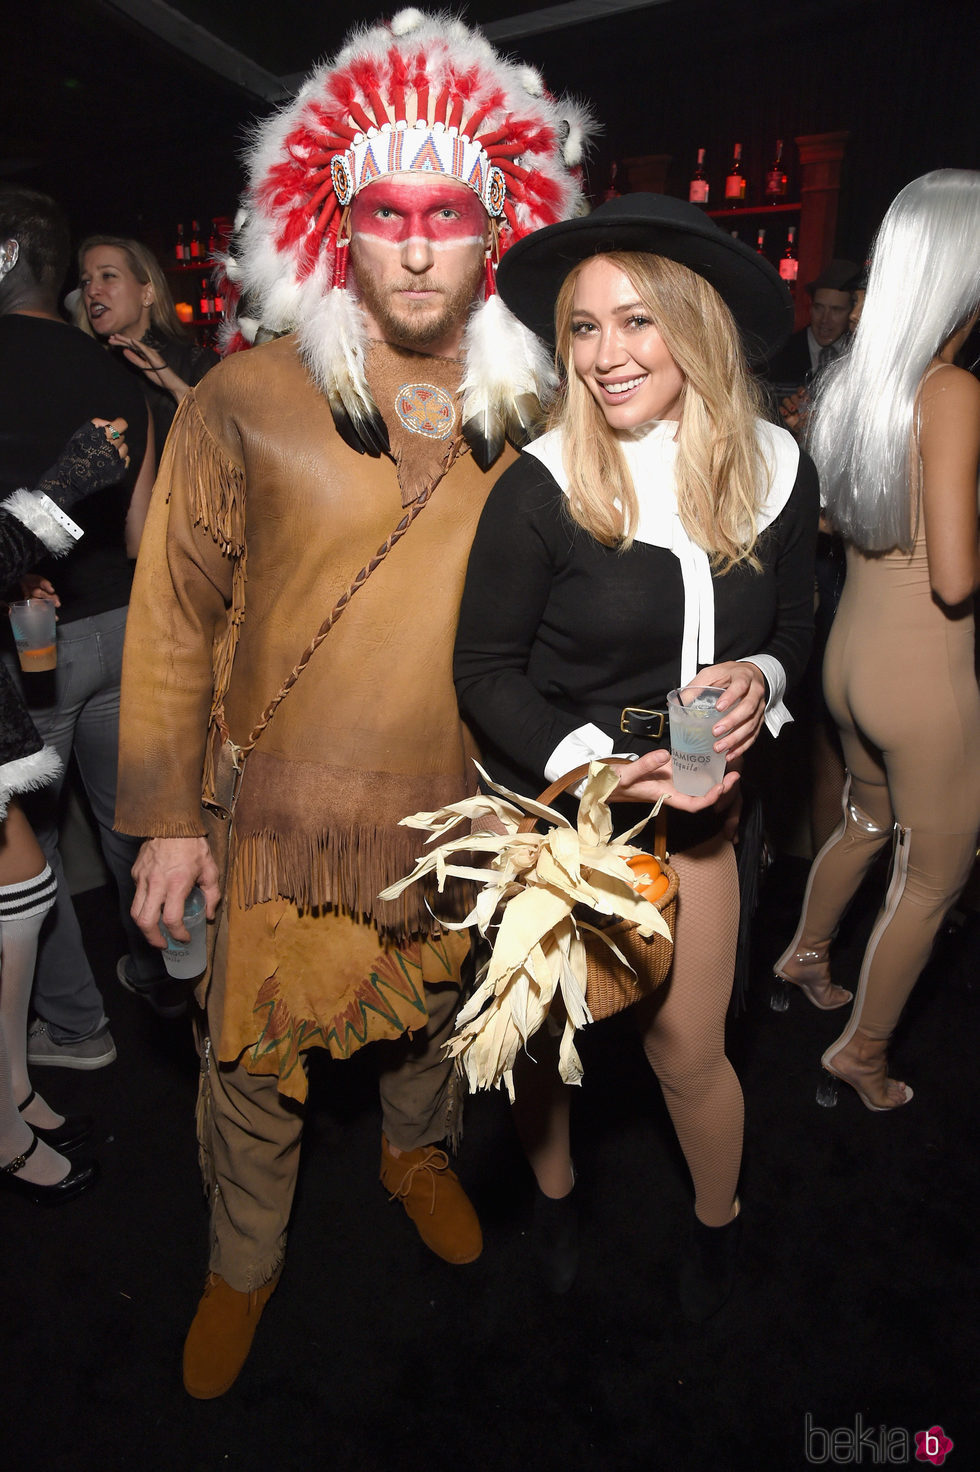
(580, 746)
(25, 773)
(48, 522)
(777, 715)
(577, 747)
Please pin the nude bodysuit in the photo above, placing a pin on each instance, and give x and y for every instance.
(900, 683)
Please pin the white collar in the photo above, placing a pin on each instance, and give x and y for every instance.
(651, 457)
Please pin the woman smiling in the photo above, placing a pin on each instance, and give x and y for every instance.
(659, 535)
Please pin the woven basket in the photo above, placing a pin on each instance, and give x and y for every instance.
(610, 987)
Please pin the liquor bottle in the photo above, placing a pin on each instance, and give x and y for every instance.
(207, 301)
(735, 179)
(697, 192)
(789, 266)
(180, 248)
(760, 241)
(196, 249)
(776, 177)
(214, 241)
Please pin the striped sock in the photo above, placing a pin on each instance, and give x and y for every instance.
(29, 897)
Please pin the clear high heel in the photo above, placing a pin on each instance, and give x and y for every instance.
(802, 969)
(868, 1076)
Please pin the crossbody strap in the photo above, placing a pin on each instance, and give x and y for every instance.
(331, 618)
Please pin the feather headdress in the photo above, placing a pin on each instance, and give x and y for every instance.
(423, 92)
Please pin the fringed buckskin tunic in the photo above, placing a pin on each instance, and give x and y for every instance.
(262, 516)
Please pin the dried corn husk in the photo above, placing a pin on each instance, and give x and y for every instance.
(525, 903)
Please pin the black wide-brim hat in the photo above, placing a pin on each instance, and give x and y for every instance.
(531, 273)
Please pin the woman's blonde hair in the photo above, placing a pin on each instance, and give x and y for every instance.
(721, 476)
(148, 272)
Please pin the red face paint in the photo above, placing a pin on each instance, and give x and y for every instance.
(417, 250)
(430, 207)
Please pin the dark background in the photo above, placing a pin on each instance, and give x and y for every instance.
(133, 135)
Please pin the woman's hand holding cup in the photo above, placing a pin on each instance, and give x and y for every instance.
(650, 778)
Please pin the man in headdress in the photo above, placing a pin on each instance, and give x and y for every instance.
(329, 481)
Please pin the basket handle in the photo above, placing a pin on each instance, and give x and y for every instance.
(572, 779)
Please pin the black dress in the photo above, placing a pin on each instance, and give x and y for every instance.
(187, 359)
(23, 760)
(557, 633)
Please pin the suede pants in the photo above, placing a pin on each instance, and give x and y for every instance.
(250, 1134)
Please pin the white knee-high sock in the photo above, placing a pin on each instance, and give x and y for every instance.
(23, 907)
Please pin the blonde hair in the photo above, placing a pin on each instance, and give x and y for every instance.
(146, 268)
(721, 475)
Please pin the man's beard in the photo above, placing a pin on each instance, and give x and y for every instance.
(406, 326)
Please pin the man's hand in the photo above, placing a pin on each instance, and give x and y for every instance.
(166, 870)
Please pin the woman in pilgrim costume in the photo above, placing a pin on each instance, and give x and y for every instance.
(661, 533)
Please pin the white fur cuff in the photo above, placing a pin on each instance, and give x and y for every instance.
(26, 773)
(41, 516)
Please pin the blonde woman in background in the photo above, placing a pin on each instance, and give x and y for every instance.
(126, 303)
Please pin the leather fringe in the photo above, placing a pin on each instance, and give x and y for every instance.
(218, 484)
(343, 869)
(218, 504)
(204, 1121)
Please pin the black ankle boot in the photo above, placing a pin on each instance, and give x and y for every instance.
(707, 1275)
(555, 1235)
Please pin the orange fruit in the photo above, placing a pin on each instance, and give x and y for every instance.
(649, 881)
(657, 889)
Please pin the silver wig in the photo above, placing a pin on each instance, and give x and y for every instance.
(923, 285)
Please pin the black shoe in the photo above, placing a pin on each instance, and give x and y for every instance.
(166, 996)
(73, 1131)
(555, 1239)
(707, 1275)
(78, 1179)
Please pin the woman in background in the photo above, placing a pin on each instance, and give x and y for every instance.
(896, 439)
(34, 1138)
(126, 302)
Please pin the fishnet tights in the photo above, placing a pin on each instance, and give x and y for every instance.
(682, 1029)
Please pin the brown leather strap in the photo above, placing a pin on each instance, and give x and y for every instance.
(332, 618)
(572, 779)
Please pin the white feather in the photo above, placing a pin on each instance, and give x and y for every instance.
(503, 362)
(406, 21)
(332, 343)
(531, 81)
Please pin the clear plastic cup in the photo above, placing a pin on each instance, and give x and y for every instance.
(184, 959)
(35, 633)
(696, 765)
